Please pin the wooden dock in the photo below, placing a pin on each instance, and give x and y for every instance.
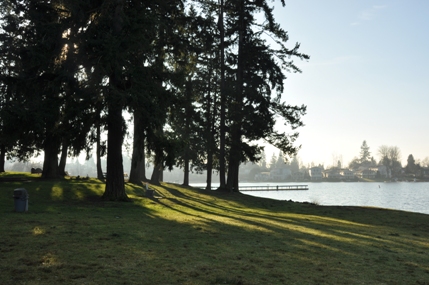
(267, 188)
(273, 188)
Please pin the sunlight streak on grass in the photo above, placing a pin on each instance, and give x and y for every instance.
(57, 193)
(38, 231)
(318, 245)
(49, 260)
(323, 234)
(192, 236)
(327, 220)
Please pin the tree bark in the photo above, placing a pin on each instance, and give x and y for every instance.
(98, 154)
(115, 187)
(233, 171)
(138, 161)
(50, 162)
(222, 154)
(63, 160)
(210, 131)
(157, 174)
(2, 157)
(186, 170)
(188, 120)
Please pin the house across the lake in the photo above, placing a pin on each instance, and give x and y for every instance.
(366, 173)
(315, 173)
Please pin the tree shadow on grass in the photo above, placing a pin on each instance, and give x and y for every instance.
(200, 237)
(368, 235)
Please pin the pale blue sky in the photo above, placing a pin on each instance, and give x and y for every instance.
(367, 78)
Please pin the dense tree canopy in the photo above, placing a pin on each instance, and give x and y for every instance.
(201, 80)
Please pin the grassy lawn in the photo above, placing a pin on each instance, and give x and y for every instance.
(189, 236)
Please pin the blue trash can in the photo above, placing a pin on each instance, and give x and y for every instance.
(20, 196)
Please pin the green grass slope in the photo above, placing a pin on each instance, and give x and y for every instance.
(190, 236)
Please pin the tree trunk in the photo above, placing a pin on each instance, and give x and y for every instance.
(156, 174)
(98, 154)
(138, 162)
(50, 162)
(115, 187)
(2, 157)
(209, 167)
(222, 164)
(186, 170)
(210, 131)
(187, 127)
(63, 160)
(232, 184)
(236, 108)
(235, 153)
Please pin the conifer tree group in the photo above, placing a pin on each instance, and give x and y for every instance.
(203, 81)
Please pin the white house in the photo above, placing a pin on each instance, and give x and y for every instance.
(315, 173)
(382, 170)
(366, 173)
(332, 174)
(347, 174)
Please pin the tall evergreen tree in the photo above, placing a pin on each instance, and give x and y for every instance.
(281, 163)
(193, 116)
(411, 166)
(273, 161)
(364, 152)
(294, 165)
(259, 69)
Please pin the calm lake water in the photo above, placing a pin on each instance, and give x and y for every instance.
(406, 196)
